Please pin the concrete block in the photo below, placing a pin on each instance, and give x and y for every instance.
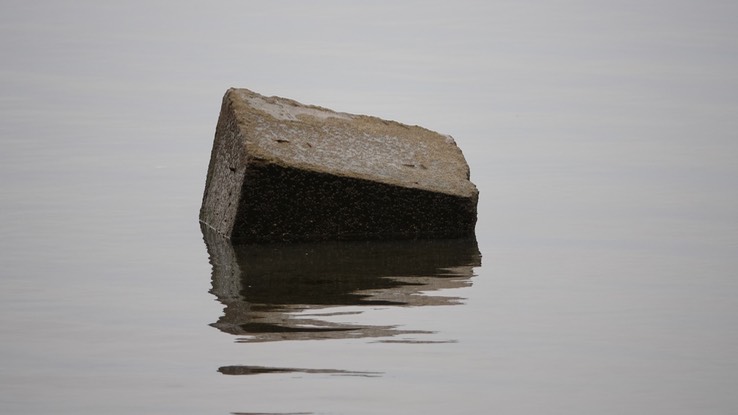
(283, 171)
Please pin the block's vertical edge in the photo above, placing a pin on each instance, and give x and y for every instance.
(209, 179)
(225, 171)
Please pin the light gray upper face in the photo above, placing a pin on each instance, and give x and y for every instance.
(318, 139)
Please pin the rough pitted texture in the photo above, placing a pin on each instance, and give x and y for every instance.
(284, 171)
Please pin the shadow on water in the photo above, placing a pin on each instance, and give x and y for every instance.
(280, 292)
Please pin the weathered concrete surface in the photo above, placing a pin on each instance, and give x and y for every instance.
(283, 171)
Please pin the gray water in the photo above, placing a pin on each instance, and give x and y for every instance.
(602, 136)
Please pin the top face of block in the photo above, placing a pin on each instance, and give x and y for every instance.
(285, 132)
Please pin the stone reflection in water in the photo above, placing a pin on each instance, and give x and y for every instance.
(260, 370)
(290, 291)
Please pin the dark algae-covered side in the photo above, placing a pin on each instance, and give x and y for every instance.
(280, 203)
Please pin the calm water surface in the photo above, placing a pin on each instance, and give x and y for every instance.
(603, 277)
